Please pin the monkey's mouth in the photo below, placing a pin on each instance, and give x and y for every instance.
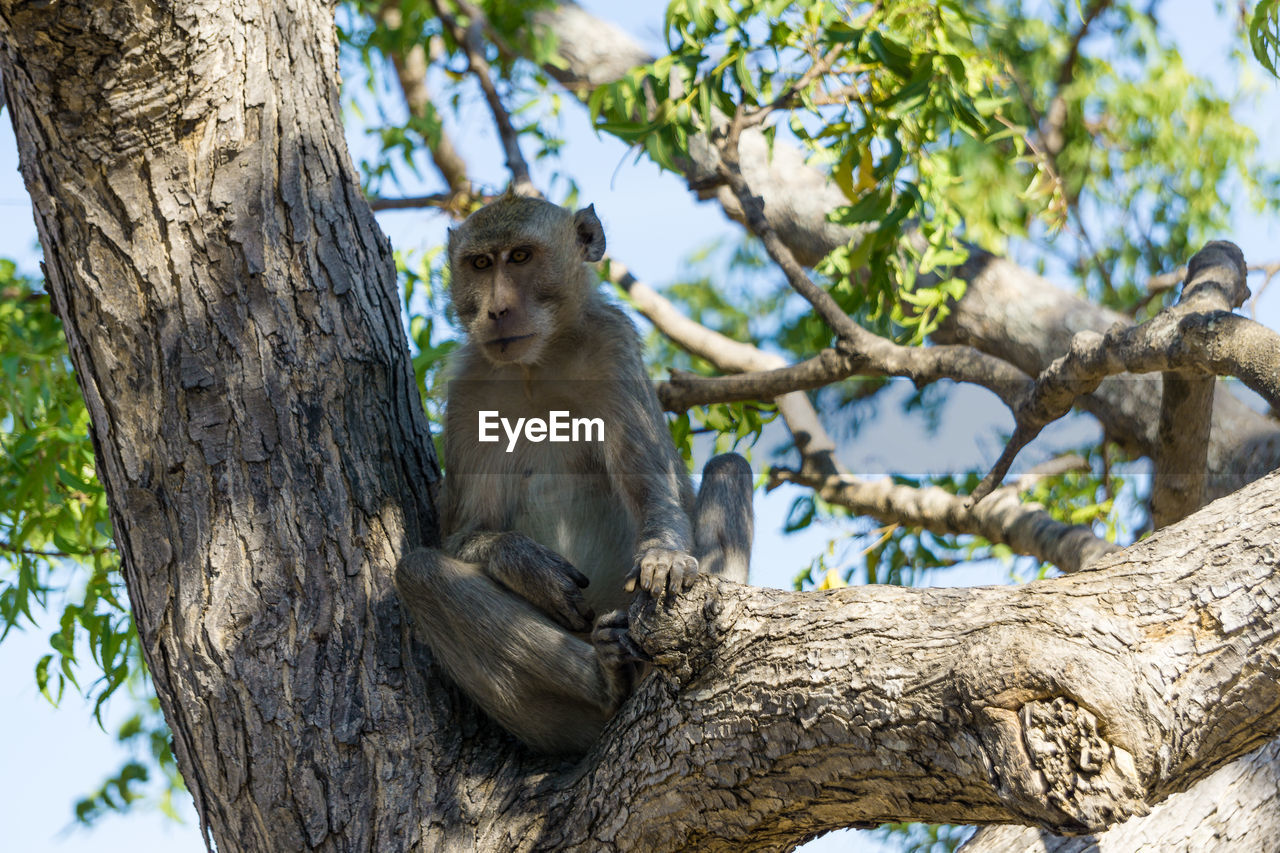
(503, 343)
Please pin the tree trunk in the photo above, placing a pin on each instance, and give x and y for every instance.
(231, 311)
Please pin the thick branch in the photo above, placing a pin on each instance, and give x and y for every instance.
(1215, 283)
(1069, 704)
(1237, 808)
(1186, 414)
(1027, 321)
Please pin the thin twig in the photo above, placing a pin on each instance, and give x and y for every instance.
(1269, 273)
(440, 201)
(470, 40)
(31, 552)
(786, 98)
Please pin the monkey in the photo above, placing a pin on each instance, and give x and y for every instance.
(546, 543)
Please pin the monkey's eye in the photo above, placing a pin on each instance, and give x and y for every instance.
(519, 256)
(481, 262)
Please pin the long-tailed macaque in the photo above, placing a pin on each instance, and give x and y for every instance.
(567, 513)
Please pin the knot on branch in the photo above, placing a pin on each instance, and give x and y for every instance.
(1064, 745)
(1054, 768)
(683, 633)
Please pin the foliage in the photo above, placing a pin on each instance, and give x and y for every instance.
(56, 552)
(1144, 150)
(54, 531)
(880, 92)
(145, 737)
(926, 837)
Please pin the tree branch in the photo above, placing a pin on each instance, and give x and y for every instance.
(32, 552)
(1025, 527)
(1068, 704)
(411, 72)
(922, 365)
(1007, 311)
(470, 40)
(868, 353)
(1056, 115)
(1186, 414)
(816, 447)
(441, 201)
(1239, 805)
(1194, 335)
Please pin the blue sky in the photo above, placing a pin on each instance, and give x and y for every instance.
(53, 756)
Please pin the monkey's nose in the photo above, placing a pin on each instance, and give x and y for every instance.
(498, 315)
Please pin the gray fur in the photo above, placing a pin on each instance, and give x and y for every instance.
(541, 539)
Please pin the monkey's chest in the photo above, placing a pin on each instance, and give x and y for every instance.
(569, 505)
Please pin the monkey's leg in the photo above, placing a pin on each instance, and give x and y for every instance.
(723, 518)
(540, 682)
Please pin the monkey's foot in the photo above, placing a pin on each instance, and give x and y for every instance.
(612, 640)
(617, 655)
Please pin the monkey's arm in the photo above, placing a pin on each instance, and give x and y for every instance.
(644, 463)
(532, 571)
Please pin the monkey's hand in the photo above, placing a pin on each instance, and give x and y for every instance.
(543, 578)
(662, 570)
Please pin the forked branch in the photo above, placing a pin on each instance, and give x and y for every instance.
(1198, 334)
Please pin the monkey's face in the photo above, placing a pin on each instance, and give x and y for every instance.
(507, 299)
(518, 278)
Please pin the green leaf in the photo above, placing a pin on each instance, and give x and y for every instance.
(890, 54)
(1264, 34)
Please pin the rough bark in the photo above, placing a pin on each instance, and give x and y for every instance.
(1237, 808)
(1007, 311)
(230, 308)
(1067, 703)
(1186, 399)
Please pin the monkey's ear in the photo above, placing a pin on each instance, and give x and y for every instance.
(590, 233)
(448, 240)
